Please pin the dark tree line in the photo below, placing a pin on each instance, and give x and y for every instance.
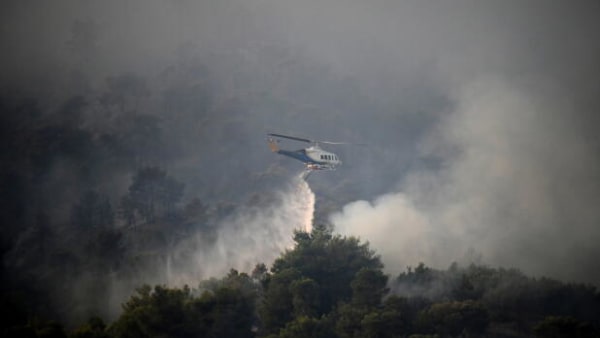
(64, 214)
(333, 286)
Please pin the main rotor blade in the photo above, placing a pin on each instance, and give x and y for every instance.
(292, 138)
(314, 141)
(338, 143)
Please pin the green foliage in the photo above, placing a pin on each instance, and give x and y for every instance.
(381, 324)
(315, 276)
(349, 318)
(393, 319)
(288, 301)
(50, 330)
(368, 288)
(232, 314)
(305, 297)
(331, 261)
(303, 326)
(36, 328)
(157, 312)
(559, 327)
(277, 305)
(94, 328)
(260, 272)
(233, 311)
(224, 310)
(510, 297)
(455, 318)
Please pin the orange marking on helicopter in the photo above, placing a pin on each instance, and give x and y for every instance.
(273, 145)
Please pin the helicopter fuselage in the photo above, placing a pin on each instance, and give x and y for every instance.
(320, 157)
(313, 157)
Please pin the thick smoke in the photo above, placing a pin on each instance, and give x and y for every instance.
(517, 183)
(508, 171)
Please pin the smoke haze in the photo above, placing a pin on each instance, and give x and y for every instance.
(480, 117)
(245, 238)
(507, 188)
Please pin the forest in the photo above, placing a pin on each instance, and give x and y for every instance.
(333, 286)
(138, 197)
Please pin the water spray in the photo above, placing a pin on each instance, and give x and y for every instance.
(249, 236)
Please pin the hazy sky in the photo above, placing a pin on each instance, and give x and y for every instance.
(481, 116)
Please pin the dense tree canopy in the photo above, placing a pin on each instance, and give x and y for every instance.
(334, 286)
(314, 277)
(331, 262)
(224, 310)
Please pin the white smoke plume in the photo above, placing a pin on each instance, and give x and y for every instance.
(254, 235)
(516, 184)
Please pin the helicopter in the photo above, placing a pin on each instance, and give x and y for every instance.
(313, 157)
